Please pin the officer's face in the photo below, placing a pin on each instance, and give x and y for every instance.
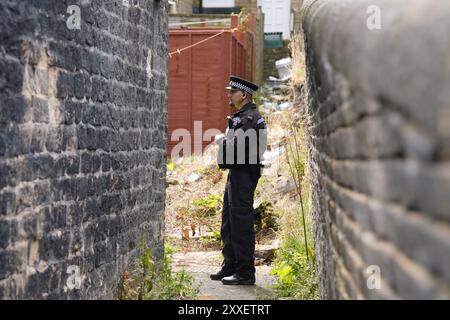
(235, 98)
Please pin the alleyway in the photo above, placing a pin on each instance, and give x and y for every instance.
(95, 96)
(195, 186)
(202, 263)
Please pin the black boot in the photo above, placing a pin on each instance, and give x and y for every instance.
(221, 274)
(236, 279)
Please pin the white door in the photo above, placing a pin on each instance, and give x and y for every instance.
(277, 16)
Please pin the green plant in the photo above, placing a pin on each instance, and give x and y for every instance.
(298, 60)
(147, 281)
(171, 166)
(294, 264)
(266, 219)
(257, 99)
(208, 205)
(296, 159)
(297, 277)
(169, 285)
(205, 211)
(243, 18)
(200, 212)
(214, 239)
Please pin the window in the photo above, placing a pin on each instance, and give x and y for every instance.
(218, 3)
(173, 6)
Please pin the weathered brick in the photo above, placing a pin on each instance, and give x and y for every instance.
(4, 233)
(72, 164)
(378, 159)
(7, 203)
(86, 162)
(41, 193)
(54, 245)
(72, 112)
(10, 262)
(74, 103)
(53, 217)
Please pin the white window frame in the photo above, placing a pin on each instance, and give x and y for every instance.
(173, 3)
(219, 3)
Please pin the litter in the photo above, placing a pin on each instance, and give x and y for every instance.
(284, 68)
(193, 177)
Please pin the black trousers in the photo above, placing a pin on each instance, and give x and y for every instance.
(237, 230)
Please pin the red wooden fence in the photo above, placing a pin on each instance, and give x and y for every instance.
(198, 76)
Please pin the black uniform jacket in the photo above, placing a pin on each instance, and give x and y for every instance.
(245, 140)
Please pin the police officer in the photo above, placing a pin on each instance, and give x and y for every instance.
(241, 152)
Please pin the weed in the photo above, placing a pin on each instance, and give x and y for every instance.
(144, 280)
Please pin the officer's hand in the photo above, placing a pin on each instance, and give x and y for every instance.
(218, 139)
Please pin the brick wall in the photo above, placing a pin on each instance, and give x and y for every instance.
(184, 6)
(271, 55)
(259, 47)
(250, 5)
(82, 143)
(296, 6)
(379, 124)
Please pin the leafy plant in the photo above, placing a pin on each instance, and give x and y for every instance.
(199, 213)
(296, 159)
(297, 277)
(171, 166)
(298, 60)
(214, 239)
(147, 281)
(243, 18)
(208, 205)
(294, 264)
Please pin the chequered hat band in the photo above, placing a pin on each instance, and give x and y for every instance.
(237, 85)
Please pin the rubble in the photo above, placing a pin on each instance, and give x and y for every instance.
(193, 177)
(266, 253)
(284, 184)
(171, 181)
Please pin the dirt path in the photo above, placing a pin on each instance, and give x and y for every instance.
(202, 181)
(202, 263)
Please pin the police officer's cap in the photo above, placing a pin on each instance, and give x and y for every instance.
(237, 83)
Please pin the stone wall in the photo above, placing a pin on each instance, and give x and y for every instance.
(184, 6)
(271, 55)
(250, 5)
(83, 116)
(259, 47)
(296, 6)
(379, 138)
